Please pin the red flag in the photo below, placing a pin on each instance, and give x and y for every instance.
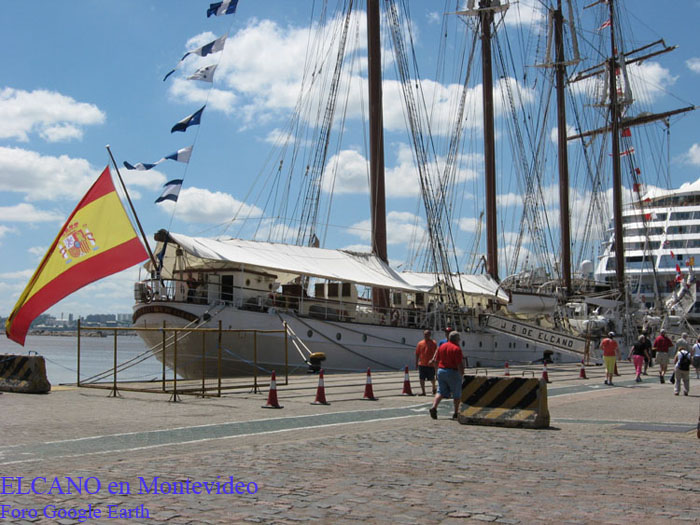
(627, 152)
(637, 171)
(605, 24)
(647, 216)
(672, 255)
(626, 132)
(97, 240)
(679, 275)
(637, 187)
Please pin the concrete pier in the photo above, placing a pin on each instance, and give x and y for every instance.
(622, 454)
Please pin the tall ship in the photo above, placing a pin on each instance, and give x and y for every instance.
(661, 233)
(345, 310)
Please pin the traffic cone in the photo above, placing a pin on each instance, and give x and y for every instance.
(272, 396)
(406, 384)
(545, 375)
(320, 391)
(507, 369)
(369, 394)
(582, 373)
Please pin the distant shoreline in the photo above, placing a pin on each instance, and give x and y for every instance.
(83, 333)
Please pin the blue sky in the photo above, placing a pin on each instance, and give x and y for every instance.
(79, 75)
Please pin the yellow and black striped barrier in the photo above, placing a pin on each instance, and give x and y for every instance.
(24, 374)
(504, 401)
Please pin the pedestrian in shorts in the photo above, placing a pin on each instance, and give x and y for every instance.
(425, 351)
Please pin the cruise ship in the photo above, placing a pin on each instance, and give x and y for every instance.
(661, 236)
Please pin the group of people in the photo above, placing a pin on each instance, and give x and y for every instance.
(445, 361)
(643, 353)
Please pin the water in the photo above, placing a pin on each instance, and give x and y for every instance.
(96, 356)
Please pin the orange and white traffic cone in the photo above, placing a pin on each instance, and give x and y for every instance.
(582, 373)
(369, 394)
(320, 391)
(545, 375)
(507, 369)
(406, 383)
(272, 396)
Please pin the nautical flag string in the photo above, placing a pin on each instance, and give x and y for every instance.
(208, 49)
(227, 7)
(192, 120)
(605, 24)
(181, 155)
(171, 190)
(205, 74)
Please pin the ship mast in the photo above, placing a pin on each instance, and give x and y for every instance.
(485, 12)
(617, 171)
(560, 72)
(380, 296)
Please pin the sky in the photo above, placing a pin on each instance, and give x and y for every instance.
(79, 75)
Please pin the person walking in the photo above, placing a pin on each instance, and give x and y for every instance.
(425, 351)
(450, 364)
(647, 355)
(639, 355)
(695, 352)
(662, 344)
(611, 354)
(682, 370)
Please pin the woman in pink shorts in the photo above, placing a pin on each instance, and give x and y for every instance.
(637, 355)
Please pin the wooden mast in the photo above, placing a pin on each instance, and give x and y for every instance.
(617, 172)
(380, 296)
(486, 18)
(560, 71)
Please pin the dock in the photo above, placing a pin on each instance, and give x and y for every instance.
(613, 454)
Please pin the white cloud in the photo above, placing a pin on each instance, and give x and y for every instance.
(54, 116)
(467, 224)
(693, 64)
(402, 227)
(509, 199)
(554, 137)
(57, 178)
(21, 275)
(693, 155)
(347, 172)
(525, 12)
(4, 230)
(24, 212)
(201, 206)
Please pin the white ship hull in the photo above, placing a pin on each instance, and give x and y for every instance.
(347, 346)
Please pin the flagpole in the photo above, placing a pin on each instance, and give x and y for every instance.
(133, 210)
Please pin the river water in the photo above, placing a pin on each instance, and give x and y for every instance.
(96, 356)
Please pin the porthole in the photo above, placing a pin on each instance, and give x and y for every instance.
(269, 286)
(309, 333)
(527, 345)
(364, 338)
(247, 282)
(338, 336)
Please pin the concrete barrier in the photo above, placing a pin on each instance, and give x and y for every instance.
(24, 374)
(504, 401)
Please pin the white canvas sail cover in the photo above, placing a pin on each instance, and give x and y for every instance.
(336, 265)
(481, 284)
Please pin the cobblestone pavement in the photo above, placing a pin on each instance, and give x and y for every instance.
(613, 455)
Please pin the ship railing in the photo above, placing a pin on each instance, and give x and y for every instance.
(433, 315)
(210, 384)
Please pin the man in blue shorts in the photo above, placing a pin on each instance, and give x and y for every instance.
(450, 363)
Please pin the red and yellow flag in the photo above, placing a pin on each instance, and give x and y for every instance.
(97, 240)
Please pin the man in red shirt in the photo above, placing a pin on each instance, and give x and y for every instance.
(425, 351)
(450, 364)
(662, 344)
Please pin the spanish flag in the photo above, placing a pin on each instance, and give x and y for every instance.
(97, 240)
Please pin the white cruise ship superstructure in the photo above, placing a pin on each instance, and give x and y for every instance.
(661, 235)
